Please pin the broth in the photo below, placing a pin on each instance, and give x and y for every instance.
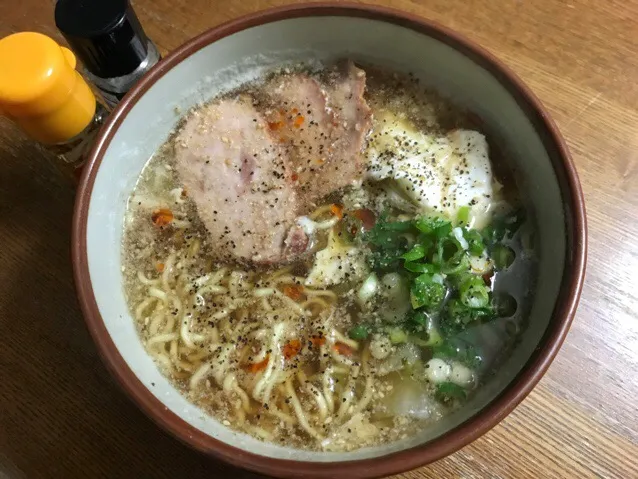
(391, 317)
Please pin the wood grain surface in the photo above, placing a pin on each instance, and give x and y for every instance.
(61, 415)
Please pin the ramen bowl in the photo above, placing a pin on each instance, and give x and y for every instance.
(228, 55)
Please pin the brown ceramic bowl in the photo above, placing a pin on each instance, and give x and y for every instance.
(238, 50)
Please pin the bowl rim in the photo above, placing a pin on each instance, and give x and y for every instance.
(396, 462)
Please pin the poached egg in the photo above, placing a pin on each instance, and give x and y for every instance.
(439, 174)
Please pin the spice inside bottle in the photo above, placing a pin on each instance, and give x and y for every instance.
(41, 91)
(108, 38)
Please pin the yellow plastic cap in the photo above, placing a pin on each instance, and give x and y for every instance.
(41, 90)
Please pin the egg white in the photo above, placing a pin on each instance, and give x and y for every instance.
(440, 174)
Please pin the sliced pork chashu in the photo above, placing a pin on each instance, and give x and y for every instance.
(252, 173)
(237, 175)
(322, 129)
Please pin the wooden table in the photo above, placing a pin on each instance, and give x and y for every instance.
(61, 416)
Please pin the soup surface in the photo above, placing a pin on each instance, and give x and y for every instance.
(325, 259)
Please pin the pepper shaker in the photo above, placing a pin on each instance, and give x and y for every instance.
(108, 38)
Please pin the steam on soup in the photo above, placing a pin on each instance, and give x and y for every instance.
(314, 259)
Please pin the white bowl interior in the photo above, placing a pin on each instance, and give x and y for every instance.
(243, 56)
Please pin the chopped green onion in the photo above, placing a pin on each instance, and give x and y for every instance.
(433, 226)
(384, 260)
(464, 353)
(493, 233)
(463, 215)
(398, 226)
(475, 242)
(438, 258)
(425, 292)
(427, 225)
(417, 320)
(460, 238)
(503, 256)
(358, 332)
(426, 343)
(447, 350)
(415, 267)
(424, 324)
(448, 392)
(504, 227)
(429, 329)
(444, 230)
(386, 234)
(456, 264)
(445, 250)
(397, 336)
(410, 239)
(434, 337)
(417, 252)
(456, 279)
(418, 341)
(457, 317)
(474, 293)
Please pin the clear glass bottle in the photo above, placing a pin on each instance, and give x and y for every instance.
(41, 91)
(70, 155)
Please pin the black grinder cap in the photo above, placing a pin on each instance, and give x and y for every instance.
(105, 34)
